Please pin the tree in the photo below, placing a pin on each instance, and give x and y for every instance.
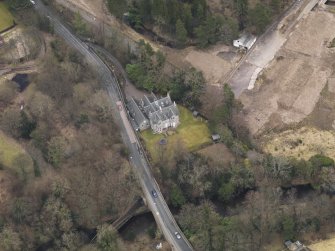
(71, 241)
(215, 28)
(117, 7)
(187, 18)
(18, 4)
(147, 72)
(56, 149)
(27, 125)
(44, 24)
(136, 73)
(11, 121)
(195, 82)
(320, 160)
(241, 7)
(260, 17)
(107, 238)
(10, 240)
(145, 11)
(8, 90)
(177, 197)
(158, 9)
(101, 103)
(228, 96)
(53, 80)
(40, 105)
(23, 167)
(82, 93)
(276, 5)
(41, 135)
(19, 210)
(79, 25)
(288, 225)
(278, 168)
(203, 226)
(172, 8)
(226, 191)
(181, 33)
(55, 219)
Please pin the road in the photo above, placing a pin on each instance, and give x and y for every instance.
(244, 75)
(158, 206)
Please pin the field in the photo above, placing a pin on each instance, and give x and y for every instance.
(191, 134)
(6, 19)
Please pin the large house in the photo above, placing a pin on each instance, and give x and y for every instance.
(158, 113)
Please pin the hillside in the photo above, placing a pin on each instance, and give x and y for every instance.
(200, 22)
(63, 167)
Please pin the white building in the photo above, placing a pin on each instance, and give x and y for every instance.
(246, 41)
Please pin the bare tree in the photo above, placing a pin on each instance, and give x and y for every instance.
(40, 105)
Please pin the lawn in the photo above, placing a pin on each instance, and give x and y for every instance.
(6, 19)
(9, 150)
(192, 133)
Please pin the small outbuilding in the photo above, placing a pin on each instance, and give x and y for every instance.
(195, 113)
(295, 246)
(216, 137)
(246, 41)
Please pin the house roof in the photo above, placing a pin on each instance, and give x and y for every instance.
(246, 40)
(151, 104)
(164, 114)
(159, 110)
(156, 109)
(136, 112)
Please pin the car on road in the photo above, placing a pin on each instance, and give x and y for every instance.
(177, 235)
(154, 193)
(32, 1)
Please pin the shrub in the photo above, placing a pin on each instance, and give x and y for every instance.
(320, 160)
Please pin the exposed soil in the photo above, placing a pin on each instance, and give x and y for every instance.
(323, 115)
(288, 91)
(219, 153)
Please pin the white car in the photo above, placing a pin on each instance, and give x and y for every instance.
(177, 235)
(32, 1)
